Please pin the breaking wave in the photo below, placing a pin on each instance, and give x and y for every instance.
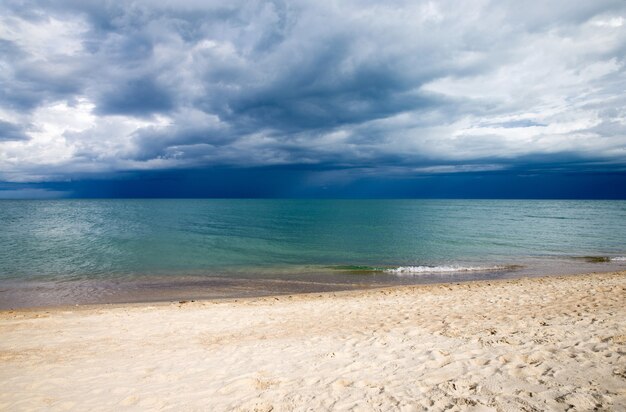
(444, 269)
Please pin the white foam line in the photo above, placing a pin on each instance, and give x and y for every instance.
(440, 269)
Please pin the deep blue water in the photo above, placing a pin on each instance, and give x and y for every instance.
(122, 240)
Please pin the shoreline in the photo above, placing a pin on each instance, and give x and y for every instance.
(203, 289)
(349, 290)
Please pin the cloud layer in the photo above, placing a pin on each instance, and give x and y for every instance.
(409, 88)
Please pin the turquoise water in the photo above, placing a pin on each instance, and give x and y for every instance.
(120, 241)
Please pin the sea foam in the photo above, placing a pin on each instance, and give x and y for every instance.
(618, 258)
(441, 269)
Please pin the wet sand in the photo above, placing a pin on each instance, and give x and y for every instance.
(150, 287)
(551, 343)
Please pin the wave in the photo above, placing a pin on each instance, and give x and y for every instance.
(445, 269)
(618, 259)
(422, 269)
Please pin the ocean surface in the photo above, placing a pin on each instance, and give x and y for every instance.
(96, 251)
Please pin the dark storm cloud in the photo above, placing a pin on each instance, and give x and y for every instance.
(135, 97)
(329, 182)
(428, 87)
(10, 131)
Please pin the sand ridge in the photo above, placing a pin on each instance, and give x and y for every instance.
(552, 343)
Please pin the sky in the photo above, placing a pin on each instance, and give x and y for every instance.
(201, 98)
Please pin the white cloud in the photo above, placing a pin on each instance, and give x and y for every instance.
(44, 39)
(70, 137)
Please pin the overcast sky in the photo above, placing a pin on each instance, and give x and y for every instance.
(334, 93)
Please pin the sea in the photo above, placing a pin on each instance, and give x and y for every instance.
(75, 252)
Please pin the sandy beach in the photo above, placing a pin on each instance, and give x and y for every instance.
(552, 343)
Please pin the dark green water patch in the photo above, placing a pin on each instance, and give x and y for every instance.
(356, 268)
(595, 259)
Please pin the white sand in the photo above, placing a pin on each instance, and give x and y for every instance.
(529, 344)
